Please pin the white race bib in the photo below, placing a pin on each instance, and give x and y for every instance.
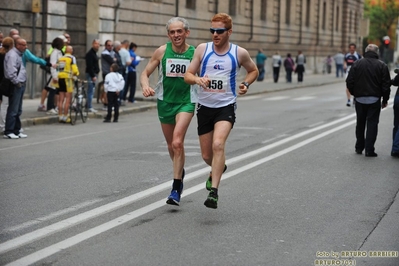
(217, 84)
(176, 67)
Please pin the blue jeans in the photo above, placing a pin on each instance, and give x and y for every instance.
(14, 111)
(288, 74)
(90, 90)
(339, 68)
(261, 69)
(395, 143)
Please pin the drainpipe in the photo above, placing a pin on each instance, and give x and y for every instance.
(177, 8)
(332, 26)
(300, 23)
(44, 37)
(216, 6)
(278, 22)
(251, 35)
(118, 4)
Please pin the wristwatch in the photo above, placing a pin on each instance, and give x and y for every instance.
(246, 84)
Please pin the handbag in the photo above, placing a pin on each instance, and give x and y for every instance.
(6, 87)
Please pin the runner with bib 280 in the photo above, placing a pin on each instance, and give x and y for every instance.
(176, 99)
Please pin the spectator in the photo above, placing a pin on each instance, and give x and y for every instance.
(368, 81)
(68, 69)
(328, 64)
(15, 71)
(57, 44)
(126, 61)
(395, 133)
(92, 70)
(1, 39)
(289, 66)
(339, 64)
(131, 74)
(260, 63)
(276, 61)
(113, 85)
(300, 65)
(8, 44)
(48, 90)
(107, 59)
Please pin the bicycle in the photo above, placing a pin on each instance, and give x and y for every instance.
(79, 102)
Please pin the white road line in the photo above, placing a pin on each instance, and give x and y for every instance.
(304, 98)
(80, 218)
(275, 98)
(51, 216)
(67, 243)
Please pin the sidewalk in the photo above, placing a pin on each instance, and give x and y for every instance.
(30, 115)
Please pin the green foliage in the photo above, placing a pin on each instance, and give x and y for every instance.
(382, 17)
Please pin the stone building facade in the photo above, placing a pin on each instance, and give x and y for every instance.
(317, 27)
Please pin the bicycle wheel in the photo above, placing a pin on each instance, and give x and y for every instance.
(73, 110)
(84, 111)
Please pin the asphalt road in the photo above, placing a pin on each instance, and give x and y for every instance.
(294, 193)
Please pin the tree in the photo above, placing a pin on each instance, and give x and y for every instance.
(383, 17)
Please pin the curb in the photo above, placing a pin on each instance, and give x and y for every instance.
(99, 115)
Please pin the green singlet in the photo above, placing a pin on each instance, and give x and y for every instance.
(174, 95)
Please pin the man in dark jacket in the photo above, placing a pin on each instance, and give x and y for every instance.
(92, 70)
(395, 133)
(369, 81)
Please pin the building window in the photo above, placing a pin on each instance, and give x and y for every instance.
(263, 9)
(323, 25)
(287, 12)
(232, 7)
(307, 13)
(190, 4)
(337, 20)
(355, 24)
(350, 21)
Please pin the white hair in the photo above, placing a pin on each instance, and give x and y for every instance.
(372, 48)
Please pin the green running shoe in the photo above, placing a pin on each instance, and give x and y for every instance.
(212, 200)
(208, 183)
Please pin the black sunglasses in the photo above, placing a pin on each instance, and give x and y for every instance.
(218, 31)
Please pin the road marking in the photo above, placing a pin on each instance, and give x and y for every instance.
(304, 98)
(83, 217)
(275, 98)
(67, 243)
(80, 218)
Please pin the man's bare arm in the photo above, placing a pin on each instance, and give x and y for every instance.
(149, 69)
(190, 77)
(252, 71)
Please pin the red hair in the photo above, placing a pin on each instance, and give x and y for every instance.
(224, 18)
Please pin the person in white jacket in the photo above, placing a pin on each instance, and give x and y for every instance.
(113, 85)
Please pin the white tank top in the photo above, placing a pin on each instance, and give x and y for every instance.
(222, 70)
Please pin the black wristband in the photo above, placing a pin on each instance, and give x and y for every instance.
(246, 84)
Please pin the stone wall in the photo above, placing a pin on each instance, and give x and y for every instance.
(317, 27)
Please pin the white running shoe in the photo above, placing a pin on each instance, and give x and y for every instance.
(11, 136)
(52, 112)
(22, 135)
(92, 110)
